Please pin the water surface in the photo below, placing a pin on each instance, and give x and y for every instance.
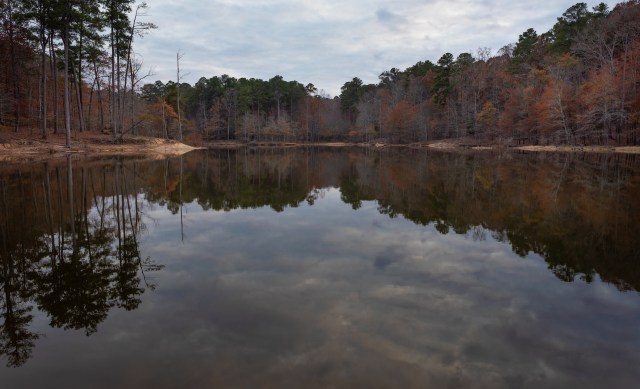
(318, 267)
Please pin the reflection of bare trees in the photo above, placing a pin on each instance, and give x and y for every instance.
(71, 247)
(16, 340)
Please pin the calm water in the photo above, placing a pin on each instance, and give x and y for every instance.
(321, 268)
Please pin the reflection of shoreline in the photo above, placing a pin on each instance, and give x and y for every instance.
(458, 145)
(68, 249)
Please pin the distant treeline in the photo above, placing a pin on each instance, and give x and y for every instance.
(577, 83)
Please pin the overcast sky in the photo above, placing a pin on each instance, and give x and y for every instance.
(328, 42)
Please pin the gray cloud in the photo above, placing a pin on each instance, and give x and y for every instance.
(391, 19)
(329, 42)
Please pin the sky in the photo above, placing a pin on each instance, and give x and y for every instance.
(328, 42)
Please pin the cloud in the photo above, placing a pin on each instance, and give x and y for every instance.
(329, 42)
(393, 21)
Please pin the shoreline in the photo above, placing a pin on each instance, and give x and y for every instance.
(26, 148)
(452, 145)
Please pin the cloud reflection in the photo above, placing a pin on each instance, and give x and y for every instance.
(441, 310)
(323, 295)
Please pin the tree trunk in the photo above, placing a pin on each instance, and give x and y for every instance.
(14, 71)
(54, 65)
(67, 114)
(114, 129)
(164, 121)
(100, 102)
(43, 81)
(76, 77)
(178, 95)
(91, 91)
(120, 97)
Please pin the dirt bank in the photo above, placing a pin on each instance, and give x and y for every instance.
(583, 149)
(26, 146)
(23, 147)
(470, 144)
(449, 144)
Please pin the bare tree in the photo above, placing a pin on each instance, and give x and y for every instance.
(178, 57)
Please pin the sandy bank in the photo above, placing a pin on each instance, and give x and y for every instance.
(18, 148)
(583, 149)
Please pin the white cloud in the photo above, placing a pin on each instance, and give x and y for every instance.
(329, 42)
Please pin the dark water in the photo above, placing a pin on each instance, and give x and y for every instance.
(322, 268)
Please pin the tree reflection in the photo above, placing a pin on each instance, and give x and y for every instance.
(74, 267)
(74, 292)
(577, 211)
(70, 235)
(16, 339)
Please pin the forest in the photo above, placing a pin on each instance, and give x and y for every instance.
(70, 67)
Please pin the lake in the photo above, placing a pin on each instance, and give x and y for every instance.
(314, 267)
